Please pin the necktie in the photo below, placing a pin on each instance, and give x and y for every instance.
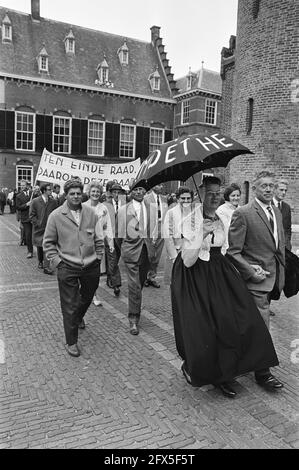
(159, 208)
(279, 206)
(116, 207)
(271, 219)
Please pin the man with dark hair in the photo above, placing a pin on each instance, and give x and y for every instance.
(23, 201)
(257, 249)
(73, 243)
(40, 209)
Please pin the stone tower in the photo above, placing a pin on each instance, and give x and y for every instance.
(260, 94)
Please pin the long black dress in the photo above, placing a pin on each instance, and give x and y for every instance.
(219, 331)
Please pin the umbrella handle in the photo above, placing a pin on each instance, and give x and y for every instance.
(196, 188)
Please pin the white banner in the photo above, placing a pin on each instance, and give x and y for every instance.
(59, 169)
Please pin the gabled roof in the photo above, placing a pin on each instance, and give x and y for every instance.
(204, 80)
(28, 37)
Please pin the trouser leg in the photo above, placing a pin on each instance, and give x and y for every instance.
(89, 281)
(28, 236)
(68, 283)
(40, 254)
(113, 271)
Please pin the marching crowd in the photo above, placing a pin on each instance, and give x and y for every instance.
(227, 262)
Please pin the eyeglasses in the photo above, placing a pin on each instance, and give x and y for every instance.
(185, 198)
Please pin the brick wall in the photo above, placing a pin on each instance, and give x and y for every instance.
(267, 71)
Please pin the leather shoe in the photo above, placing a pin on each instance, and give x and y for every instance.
(82, 324)
(40, 265)
(154, 283)
(109, 284)
(134, 330)
(30, 255)
(73, 350)
(227, 390)
(116, 291)
(269, 382)
(48, 271)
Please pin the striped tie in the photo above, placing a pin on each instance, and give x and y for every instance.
(271, 219)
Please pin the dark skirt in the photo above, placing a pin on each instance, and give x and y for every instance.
(219, 331)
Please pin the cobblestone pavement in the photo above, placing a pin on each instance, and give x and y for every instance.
(123, 392)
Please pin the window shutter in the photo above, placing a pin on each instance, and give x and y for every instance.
(48, 132)
(83, 137)
(112, 140)
(168, 135)
(76, 150)
(40, 133)
(10, 129)
(142, 142)
(2, 129)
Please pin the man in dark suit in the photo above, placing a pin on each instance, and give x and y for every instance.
(113, 204)
(280, 191)
(132, 232)
(23, 201)
(257, 249)
(40, 209)
(156, 206)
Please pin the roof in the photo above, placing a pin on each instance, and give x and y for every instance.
(29, 36)
(204, 80)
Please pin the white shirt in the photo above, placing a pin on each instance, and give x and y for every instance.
(45, 198)
(264, 207)
(76, 215)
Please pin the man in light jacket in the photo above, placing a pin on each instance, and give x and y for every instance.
(73, 242)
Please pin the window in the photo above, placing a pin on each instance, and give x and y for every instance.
(185, 111)
(127, 141)
(211, 112)
(155, 80)
(95, 138)
(24, 173)
(43, 64)
(70, 45)
(61, 134)
(249, 115)
(156, 138)
(25, 131)
(189, 81)
(255, 8)
(6, 29)
(123, 54)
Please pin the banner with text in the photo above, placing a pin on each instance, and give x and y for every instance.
(58, 169)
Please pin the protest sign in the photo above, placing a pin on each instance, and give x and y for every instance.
(58, 169)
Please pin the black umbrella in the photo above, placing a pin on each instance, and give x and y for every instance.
(183, 157)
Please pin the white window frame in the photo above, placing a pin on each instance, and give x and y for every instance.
(189, 82)
(70, 45)
(6, 28)
(208, 107)
(156, 83)
(96, 138)
(43, 68)
(69, 144)
(127, 142)
(124, 57)
(104, 74)
(153, 145)
(27, 168)
(185, 117)
(22, 131)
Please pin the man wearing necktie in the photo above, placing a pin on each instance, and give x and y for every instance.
(23, 201)
(257, 249)
(156, 205)
(131, 228)
(112, 257)
(280, 191)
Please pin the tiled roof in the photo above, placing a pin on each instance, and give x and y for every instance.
(28, 38)
(203, 79)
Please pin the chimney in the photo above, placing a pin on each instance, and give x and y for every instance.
(155, 33)
(35, 10)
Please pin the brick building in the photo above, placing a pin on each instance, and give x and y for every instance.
(260, 94)
(198, 107)
(78, 92)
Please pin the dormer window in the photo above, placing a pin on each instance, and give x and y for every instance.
(69, 42)
(155, 80)
(123, 54)
(103, 72)
(6, 29)
(189, 80)
(43, 60)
